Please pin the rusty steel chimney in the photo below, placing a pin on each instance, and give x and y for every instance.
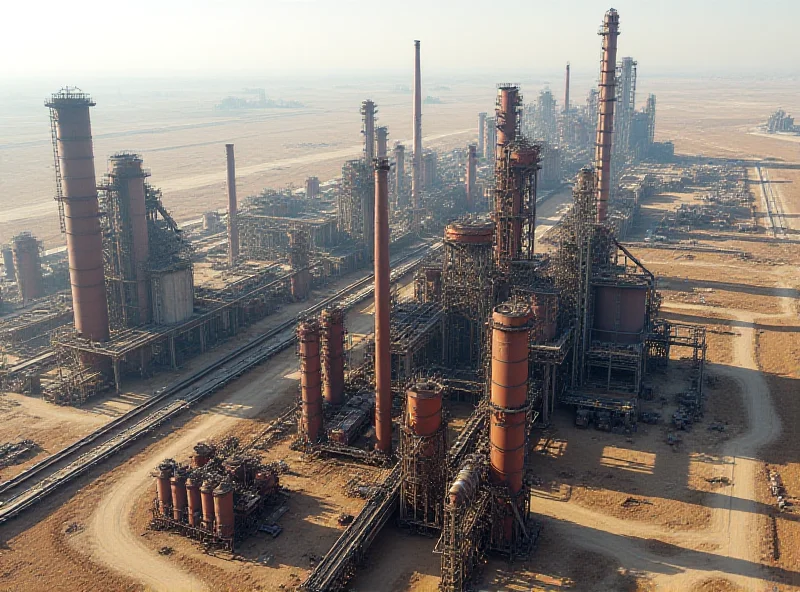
(605, 121)
(508, 102)
(566, 90)
(233, 223)
(400, 174)
(383, 363)
(72, 134)
(332, 335)
(310, 380)
(368, 113)
(482, 134)
(511, 323)
(128, 177)
(472, 171)
(416, 163)
(381, 139)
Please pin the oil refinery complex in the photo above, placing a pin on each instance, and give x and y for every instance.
(511, 318)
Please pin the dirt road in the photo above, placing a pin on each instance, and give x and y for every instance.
(114, 543)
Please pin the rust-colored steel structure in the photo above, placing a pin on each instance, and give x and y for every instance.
(163, 488)
(368, 115)
(511, 323)
(605, 121)
(383, 360)
(400, 174)
(332, 324)
(72, 132)
(223, 510)
(310, 380)
(27, 267)
(424, 408)
(233, 222)
(207, 504)
(516, 164)
(381, 141)
(194, 502)
(482, 134)
(179, 499)
(472, 173)
(566, 89)
(416, 162)
(127, 174)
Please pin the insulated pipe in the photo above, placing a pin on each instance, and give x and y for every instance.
(399, 174)
(126, 170)
(381, 140)
(566, 90)
(472, 172)
(416, 163)
(310, 379)
(368, 112)
(509, 392)
(383, 367)
(73, 133)
(333, 355)
(482, 134)
(605, 121)
(233, 223)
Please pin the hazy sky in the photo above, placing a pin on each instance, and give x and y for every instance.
(43, 38)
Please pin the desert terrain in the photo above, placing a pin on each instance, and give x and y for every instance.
(616, 512)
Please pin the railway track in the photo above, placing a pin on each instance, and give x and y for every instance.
(773, 205)
(37, 482)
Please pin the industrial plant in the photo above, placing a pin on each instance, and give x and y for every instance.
(501, 316)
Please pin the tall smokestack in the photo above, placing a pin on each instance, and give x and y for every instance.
(400, 174)
(472, 171)
(128, 177)
(506, 116)
(69, 110)
(383, 363)
(368, 121)
(381, 140)
(233, 223)
(482, 135)
(566, 90)
(416, 163)
(310, 380)
(605, 122)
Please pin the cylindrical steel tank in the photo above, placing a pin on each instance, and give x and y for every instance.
(195, 504)
(233, 224)
(506, 115)
(605, 121)
(472, 175)
(424, 408)
(509, 389)
(332, 325)
(8, 264)
(128, 178)
(620, 313)
(179, 501)
(163, 490)
(383, 362)
(475, 233)
(310, 380)
(207, 504)
(70, 111)
(223, 510)
(28, 267)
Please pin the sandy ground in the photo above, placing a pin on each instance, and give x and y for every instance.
(718, 541)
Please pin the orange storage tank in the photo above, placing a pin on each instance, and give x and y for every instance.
(195, 503)
(179, 501)
(223, 510)
(163, 490)
(207, 504)
(424, 408)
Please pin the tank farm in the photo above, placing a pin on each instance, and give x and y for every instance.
(502, 317)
